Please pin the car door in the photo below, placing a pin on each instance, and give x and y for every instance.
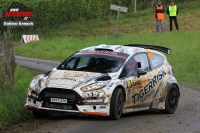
(137, 89)
(159, 79)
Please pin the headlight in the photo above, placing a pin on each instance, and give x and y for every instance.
(95, 86)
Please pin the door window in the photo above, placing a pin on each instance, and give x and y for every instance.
(131, 66)
(156, 61)
(142, 58)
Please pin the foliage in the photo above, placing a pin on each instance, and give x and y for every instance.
(12, 100)
(50, 14)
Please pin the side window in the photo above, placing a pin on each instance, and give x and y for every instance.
(130, 68)
(144, 61)
(156, 61)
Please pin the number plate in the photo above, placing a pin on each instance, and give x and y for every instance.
(58, 100)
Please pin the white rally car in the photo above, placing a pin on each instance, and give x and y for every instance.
(107, 80)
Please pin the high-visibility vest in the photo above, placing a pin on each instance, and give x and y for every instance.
(172, 10)
(160, 16)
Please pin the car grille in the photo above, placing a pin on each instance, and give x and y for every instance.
(71, 96)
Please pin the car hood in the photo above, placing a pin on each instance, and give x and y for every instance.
(71, 79)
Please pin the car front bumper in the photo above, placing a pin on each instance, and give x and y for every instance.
(98, 110)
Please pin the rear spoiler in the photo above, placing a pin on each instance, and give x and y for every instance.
(159, 48)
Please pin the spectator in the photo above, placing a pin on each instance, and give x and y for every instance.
(159, 15)
(172, 11)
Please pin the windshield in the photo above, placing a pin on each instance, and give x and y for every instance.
(94, 61)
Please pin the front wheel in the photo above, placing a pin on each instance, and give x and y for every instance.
(171, 101)
(117, 104)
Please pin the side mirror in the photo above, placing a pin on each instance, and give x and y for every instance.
(140, 72)
(46, 74)
(139, 64)
(54, 69)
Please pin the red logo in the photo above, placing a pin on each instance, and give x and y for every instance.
(18, 14)
(18, 10)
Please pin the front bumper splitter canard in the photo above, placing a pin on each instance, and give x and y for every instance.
(97, 110)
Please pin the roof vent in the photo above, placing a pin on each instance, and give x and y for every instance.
(103, 49)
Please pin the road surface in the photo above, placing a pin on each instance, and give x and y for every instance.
(37, 64)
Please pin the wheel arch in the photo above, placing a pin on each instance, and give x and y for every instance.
(177, 87)
(123, 90)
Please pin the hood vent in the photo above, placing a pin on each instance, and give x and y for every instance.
(103, 78)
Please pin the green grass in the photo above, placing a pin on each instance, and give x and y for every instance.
(12, 101)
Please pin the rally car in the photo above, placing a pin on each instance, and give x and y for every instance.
(107, 80)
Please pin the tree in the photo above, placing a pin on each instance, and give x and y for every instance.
(135, 5)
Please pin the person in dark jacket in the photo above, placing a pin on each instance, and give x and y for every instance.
(172, 11)
(159, 15)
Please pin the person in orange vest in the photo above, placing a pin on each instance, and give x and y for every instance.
(172, 11)
(159, 15)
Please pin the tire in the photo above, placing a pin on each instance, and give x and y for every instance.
(117, 104)
(38, 114)
(171, 101)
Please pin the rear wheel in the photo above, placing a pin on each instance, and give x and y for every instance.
(38, 114)
(171, 101)
(117, 104)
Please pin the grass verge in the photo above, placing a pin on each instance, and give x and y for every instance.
(12, 101)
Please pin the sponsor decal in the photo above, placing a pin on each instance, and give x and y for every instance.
(18, 11)
(107, 53)
(57, 100)
(133, 85)
(66, 78)
(102, 107)
(101, 52)
(79, 75)
(148, 90)
(58, 106)
(129, 83)
(94, 100)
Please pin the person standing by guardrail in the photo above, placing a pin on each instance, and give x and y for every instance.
(159, 15)
(172, 11)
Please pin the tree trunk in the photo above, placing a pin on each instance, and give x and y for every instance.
(135, 5)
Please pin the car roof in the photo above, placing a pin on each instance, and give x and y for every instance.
(127, 49)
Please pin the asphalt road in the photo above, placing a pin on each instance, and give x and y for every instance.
(37, 64)
(185, 120)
